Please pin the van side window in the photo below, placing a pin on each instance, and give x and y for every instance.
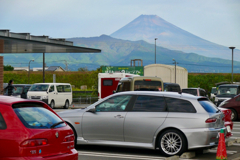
(179, 105)
(60, 88)
(63, 88)
(2, 122)
(67, 88)
(52, 88)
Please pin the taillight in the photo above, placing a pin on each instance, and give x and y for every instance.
(147, 79)
(34, 142)
(69, 138)
(211, 120)
(223, 119)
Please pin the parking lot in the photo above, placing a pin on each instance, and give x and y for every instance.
(94, 152)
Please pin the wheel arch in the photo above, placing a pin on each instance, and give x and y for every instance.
(159, 133)
(74, 131)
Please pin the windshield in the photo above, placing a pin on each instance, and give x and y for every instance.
(37, 117)
(214, 90)
(227, 90)
(39, 87)
(141, 85)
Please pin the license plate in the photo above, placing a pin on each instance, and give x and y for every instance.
(228, 129)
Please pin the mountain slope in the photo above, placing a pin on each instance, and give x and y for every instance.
(149, 27)
(120, 52)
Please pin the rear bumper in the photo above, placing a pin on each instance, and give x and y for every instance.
(202, 138)
(73, 155)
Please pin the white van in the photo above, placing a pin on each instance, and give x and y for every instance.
(54, 94)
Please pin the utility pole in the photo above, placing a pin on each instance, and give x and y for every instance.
(175, 62)
(29, 70)
(232, 48)
(155, 49)
(66, 65)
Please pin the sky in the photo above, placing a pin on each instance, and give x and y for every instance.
(217, 21)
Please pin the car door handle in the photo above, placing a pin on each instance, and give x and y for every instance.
(118, 116)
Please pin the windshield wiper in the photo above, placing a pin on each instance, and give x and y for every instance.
(56, 124)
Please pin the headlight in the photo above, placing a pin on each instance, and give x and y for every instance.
(44, 97)
(28, 97)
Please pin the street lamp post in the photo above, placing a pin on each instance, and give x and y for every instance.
(232, 48)
(29, 70)
(155, 49)
(174, 62)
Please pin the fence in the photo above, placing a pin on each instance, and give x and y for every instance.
(85, 100)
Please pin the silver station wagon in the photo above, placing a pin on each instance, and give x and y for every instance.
(167, 121)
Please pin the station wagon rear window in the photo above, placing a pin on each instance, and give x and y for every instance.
(208, 106)
(37, 117)
(2, 122)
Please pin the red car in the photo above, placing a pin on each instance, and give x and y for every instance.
(31, 130)
(228, 122)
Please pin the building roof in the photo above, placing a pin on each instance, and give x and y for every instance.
(54, 68)
(25, 43)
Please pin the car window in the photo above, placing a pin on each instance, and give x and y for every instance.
(52, 88)
(37, 117)
(123, 86)
(107, 82)
(179, 105)
(149, 104)
(145, 85)
(208, 106)
(227, 90)
(2, 122)
(202, 93)
(26, 89)
(114, 104)
(190, 91)
(19, 90)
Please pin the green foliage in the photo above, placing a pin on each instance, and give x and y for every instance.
(83, 69)
(8, 68)
(90, 78)
(207, 81)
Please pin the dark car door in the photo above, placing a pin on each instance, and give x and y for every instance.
(24, 93)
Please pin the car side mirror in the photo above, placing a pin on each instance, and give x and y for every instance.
(114, 91)
(92, 110)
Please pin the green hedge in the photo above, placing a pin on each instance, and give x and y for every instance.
(206, 81)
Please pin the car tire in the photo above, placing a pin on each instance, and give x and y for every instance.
(172, 142)
(52, 104)
(66, 106)
(234, 116)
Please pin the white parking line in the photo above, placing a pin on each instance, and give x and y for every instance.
(97, 154)
(236, 132)
(228, 152)
(236, 144)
